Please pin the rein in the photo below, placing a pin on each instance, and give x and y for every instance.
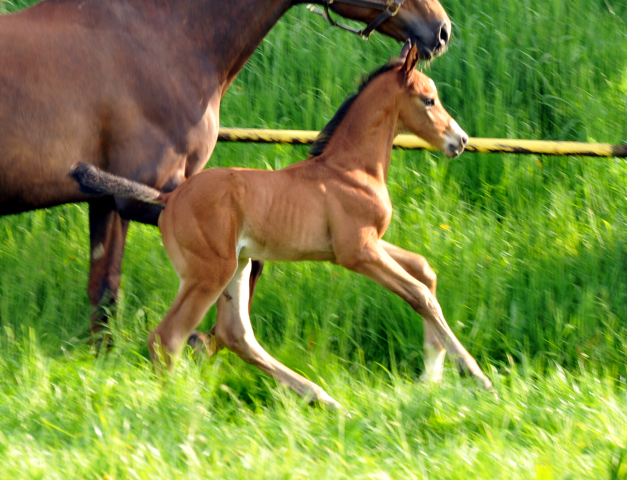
(390, 8)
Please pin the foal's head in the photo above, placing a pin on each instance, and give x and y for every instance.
(422, 113)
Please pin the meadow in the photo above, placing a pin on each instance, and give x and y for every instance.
(530, 252)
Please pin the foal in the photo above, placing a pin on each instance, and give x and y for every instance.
(333, 206)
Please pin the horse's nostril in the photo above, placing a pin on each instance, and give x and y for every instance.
(464, 140)
(445, 33)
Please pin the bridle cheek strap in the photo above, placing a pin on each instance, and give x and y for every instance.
(390, 8)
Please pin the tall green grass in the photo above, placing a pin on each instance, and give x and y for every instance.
(76, 417)
(530, 252)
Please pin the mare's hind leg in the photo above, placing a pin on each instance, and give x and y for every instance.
(418, 267)
(234, 331)
(107, 231)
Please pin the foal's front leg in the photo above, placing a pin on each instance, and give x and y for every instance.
(374, 262)
(234, 331)
(418, 267)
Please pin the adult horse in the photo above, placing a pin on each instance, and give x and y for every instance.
(134, 87)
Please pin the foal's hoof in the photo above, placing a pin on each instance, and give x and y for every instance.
(198, 341)
(329, 402)
(431, 378)
(486, 384)
(204, 343)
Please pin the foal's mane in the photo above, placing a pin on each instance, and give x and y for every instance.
(327, 132)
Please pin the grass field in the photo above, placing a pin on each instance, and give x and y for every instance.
(530, 251)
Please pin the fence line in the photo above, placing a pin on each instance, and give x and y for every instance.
(484, 145)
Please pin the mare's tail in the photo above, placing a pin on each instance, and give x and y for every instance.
(94, 181)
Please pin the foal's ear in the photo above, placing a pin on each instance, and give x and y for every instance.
(405, 50)
(409, 56)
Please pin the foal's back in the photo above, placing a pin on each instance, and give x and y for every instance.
(276, 215)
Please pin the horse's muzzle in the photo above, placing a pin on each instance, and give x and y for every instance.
(455, 140)
(432, 41)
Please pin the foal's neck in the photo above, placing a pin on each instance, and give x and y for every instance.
(363, 140)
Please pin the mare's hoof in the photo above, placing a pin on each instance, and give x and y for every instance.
(100, 342)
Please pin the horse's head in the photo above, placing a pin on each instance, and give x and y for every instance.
(421, 111)
(424, 22)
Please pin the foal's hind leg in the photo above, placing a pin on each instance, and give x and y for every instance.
(196, 295)
(207, 342)
(418, 267)
(255, 272)
(234, 331)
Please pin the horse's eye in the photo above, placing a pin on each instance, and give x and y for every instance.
(428, 101)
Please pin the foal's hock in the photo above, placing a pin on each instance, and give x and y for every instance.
(333, 206)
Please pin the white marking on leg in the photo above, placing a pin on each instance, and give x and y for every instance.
(238, 287)
(98, 252)
(234, 330)
(434, 364)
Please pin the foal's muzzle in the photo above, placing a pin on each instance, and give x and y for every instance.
(455, 140)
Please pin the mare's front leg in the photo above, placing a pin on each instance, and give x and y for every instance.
(418, 267)
(234, 331)
(373, 261)
(107, 232)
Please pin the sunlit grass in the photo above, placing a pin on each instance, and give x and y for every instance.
(72, 417)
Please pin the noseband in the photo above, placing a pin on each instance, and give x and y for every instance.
(390, 8)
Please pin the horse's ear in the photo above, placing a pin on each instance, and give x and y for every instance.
(405, 50)
(409, 57)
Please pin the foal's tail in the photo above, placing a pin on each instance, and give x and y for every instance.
(94, 181)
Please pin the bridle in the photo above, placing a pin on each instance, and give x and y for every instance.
(390, 8)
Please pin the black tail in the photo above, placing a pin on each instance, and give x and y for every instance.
(94, 181)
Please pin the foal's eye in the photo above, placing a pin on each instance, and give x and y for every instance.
(428, 101)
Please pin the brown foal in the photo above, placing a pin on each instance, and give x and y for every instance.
(332, 207)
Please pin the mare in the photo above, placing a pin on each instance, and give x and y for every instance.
(134, 87)
(333, 206)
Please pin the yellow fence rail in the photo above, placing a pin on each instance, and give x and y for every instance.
(485, 145)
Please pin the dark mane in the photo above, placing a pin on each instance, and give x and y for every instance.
(327, 132)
